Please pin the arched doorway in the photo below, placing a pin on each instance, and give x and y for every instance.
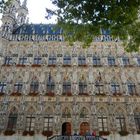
(84, 127)
(66, 128)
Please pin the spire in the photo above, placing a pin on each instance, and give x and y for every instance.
(24, 4)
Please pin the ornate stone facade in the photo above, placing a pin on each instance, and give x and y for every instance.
(48, 87)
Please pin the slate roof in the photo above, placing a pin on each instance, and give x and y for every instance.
(39, 29)
(44, 29)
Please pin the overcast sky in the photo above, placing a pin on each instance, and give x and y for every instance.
(37, 11)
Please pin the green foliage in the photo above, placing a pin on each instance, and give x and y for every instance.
(83, 19)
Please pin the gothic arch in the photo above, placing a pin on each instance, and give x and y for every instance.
(102, 110)
(49, 110)
(13, 109)
(119, 110)
(66, 112)
(31, 110)
(84, 112)
(136, 110)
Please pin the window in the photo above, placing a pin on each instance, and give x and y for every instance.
(18, 87)
(8, 60)
(37, 60)
(102, 123)
(66, 87)
(82, 88)
(52, 60)
(22, 61)
(111, 61)
(138, 61)
(115, 88)
(12, 121)
(67, 60)
(137, 121)
(120, 122)
(99, 88)
(131, 88)
(125, 61)
(34, 86)
(48, 123)
(30, 123)
(81, 60)
(2, 87)
(96, 61)
(50, 86)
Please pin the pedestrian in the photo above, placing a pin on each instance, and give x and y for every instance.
(93, 133)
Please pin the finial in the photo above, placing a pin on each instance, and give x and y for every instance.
(24, 3)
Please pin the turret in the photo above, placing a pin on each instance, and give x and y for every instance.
(22, 13)
(9, 17)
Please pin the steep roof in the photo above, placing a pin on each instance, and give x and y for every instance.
(38, 29)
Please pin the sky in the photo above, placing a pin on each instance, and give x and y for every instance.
(37, 11)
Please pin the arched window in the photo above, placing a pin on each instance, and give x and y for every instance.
(22, 60)
(30, 120)
(82, 88)
(67, 60)
(120, 122)
(18, 87)
(34, 86)
(37, 60)
(102, 120)
(52, 60)
(99, 87)
(12, 120)
(111, 61)
(50, 85)
(81, 60)
(66, 88)
(115, 88)
(96, 61)
(8, 60)
(131, 88)
(2, 87)
(137, 119)
(48, 122)
(125, 61)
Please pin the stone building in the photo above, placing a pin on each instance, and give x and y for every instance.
(48, 87)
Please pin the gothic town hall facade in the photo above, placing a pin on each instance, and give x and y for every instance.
(48, 87)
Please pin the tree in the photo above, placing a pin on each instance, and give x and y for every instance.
(83, 19)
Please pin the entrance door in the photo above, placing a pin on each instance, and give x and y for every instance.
(66, 129)
(84, 127)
